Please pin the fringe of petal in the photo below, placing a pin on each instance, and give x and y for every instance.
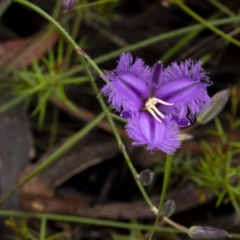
(168, 144)
(197, 104)
(114, 98)
(194, 71)
(186, 69)
(125, 65)
(137, 68)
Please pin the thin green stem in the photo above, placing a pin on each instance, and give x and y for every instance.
(43, 228)
(120, 119)
(176, 225)
(150, 41)
(76, 26)
(167, 172)
(84, 220)
(194, 15)
(59, 152)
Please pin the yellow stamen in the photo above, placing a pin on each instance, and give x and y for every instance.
(158, 112)
(154, 115)
(151, 108)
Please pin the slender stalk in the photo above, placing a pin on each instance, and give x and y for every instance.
(84, 220)
(118, 118)
(167, 172)
(43, 228)
(76, 26)
(176, 225)
(194, 15)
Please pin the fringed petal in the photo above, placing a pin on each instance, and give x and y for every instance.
(186, 95)
(127, 85)
(185, 86)
(126, 91)
(145, 130)
(138, 68)
(187, 69)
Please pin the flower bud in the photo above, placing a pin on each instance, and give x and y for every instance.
(68, 5)
(145, 177)
(168, 208)
(218, 102)
(198, 232)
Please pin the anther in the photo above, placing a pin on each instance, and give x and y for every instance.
(154, 115)
(158, 112)
(162, 102)
(151, 108)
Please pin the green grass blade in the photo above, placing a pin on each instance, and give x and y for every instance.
(43, 228)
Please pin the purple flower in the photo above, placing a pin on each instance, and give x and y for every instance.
(156, 101)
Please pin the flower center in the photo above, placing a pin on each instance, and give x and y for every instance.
(151, 108)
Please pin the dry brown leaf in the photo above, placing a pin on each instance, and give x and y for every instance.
(19, 53)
